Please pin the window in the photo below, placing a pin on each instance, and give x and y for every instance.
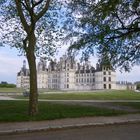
(109, 73)
(104, 79)
(67, 79)
(104, 73)
(104, 86)
(109, 79)
(93, 79)
(109, 86)
(67, 85)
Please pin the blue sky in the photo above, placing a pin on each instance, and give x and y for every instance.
(11, 63)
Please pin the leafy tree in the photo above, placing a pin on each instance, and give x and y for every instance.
(4, 84)
(137, 85)
(30, 26)
(109, 26)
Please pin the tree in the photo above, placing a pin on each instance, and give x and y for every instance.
(137, 85)
(4, 84)
(109, 26)
(29, 25)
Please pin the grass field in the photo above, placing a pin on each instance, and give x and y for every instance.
(134, 105)
(100, 95)
(17, 111)
(11, 90)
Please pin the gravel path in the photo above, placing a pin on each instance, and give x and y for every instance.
(6, 98)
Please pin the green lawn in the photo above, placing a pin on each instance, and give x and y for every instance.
(100, 95)
(17, 111)
(135, 105)
(9, 90)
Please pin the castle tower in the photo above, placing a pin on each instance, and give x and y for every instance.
(24, 64)
(105, 76)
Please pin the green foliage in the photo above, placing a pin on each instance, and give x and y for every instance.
(33, 28)
(110, 26)
(7, 85)
(47, 29)
(4, 84)
(138, 86)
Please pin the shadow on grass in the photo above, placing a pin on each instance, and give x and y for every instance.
(18, 111)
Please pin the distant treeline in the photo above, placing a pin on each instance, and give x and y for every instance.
(7, 85)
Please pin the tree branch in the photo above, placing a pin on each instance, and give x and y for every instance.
(24, 5)
(116, 14)
(25, 43)
(27, 3)
(43, 11)
(130, 31)
(36, 3)
(21, 15)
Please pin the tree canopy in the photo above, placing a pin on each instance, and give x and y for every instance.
(47, 31)
(32, 26)
(108, 26)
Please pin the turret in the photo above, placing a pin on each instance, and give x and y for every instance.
(24, 64)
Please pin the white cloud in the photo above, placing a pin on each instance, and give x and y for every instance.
(132, 76)
(10, 64)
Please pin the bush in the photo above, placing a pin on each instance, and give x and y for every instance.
(5, 85)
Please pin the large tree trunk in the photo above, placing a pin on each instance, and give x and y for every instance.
(33, 97)
(29, 43)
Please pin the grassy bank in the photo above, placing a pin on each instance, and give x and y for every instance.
(17, 111)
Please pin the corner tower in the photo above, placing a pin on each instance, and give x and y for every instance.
(105, 75)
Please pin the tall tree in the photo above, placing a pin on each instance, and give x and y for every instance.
(29, 25)
(109, 26)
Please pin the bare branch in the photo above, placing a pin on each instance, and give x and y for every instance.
(21, 15)
(24, 5)
(27, 5)
(36, 3)
(116, 14)
(130, 31)
(30, 10)
(43, 11)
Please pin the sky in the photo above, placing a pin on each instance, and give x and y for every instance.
(11, 63)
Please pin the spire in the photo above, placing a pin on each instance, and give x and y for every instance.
(24, 64)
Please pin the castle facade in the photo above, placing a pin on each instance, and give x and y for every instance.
(68, 74)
